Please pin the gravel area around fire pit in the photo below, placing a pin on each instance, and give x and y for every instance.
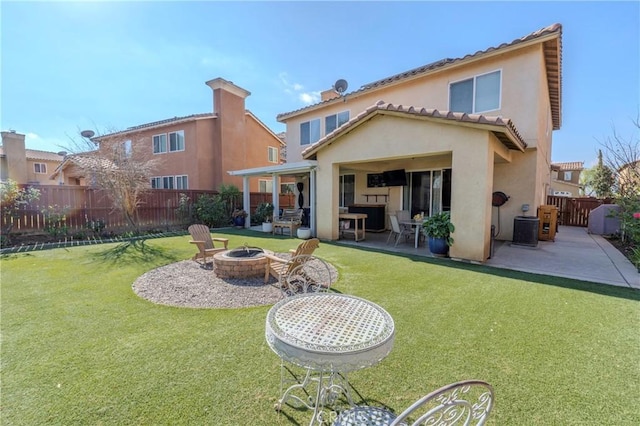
(188, 284)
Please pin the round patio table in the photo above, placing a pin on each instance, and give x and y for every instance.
(330, 334)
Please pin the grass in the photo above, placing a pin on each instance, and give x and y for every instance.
(79, 347)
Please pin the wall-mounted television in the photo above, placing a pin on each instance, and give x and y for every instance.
(395, 178)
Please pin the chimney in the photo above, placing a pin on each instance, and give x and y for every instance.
(16, 156)
(329, 94)
(221, 91)
(230, 143)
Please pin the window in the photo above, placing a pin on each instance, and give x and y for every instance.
(332, 122)
(273, 155)
(176, 141)
(40, 168)
(265, 185)
(567, 175)
(182, 182)
(477, 94)
(126, 148)
(159, 144)
(287, 188)
(347, 190)
(309, 131)
(165, 182)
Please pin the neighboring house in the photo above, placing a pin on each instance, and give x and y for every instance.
(629, 179)
(196, 151)
(26, 166)
(447, 134)
(565, 179)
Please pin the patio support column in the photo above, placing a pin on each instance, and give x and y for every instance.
(312, 201)
(246, 200)
(275, 199)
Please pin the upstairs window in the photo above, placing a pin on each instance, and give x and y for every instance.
(309, 132)
(126, 148)
(176, 141)
(567, 175)
(40, 168)
(477, 94)
(160, 144)
(272, 155)
(332, 122)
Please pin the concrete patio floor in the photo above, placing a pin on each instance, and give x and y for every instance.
(574, 254)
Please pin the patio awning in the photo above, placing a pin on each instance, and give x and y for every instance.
(280, 169)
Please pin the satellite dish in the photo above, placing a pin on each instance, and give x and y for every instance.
(87, 133)
(340, 86)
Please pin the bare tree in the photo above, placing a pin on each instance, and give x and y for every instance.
(120, 164)
(622, 157)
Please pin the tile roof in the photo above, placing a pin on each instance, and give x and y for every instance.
(159, 123)
(85, 162)
(503, 128)
(553, 59)
(575, 165)
(35, 154)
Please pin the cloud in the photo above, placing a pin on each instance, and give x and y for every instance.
(310, 97)
(297, 89)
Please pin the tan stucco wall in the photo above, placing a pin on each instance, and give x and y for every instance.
(16, 159)
(524, 96)
(472, 154)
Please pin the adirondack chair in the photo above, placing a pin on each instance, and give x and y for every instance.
(290, 218)
(302, 272)
(201, 237)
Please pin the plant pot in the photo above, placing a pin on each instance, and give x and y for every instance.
(239, 221)
(304, 233)
(438, 247)
(267, 227)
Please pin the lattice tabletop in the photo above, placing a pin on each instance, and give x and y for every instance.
(330, 332)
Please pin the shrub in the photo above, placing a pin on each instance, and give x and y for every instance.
(211, 211)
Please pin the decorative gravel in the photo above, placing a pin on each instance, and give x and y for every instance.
(188, 284)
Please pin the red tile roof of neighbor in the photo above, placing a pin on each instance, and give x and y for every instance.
(502, 128)
(575, 165)
(159, 123)
(35, 154)
(550, 36)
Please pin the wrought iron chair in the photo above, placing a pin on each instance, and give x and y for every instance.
(201, 237)
(468, 402)
(397, 230)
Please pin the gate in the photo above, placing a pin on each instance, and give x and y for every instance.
(575, 211)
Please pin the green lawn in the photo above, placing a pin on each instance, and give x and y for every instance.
(80, 348)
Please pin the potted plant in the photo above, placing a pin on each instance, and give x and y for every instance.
(264, 212)
(438, 229)
(239, 217)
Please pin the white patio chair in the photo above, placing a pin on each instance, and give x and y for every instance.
(468, 402)
(398, 230)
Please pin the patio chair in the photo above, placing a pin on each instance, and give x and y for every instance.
(290, 218)
(468, 402)
(201, 237)
(302, 273)
(398, 231)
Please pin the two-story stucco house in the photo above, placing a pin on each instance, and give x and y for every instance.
(450, 133)
(565, 179)
(26, 166)
(196, 151)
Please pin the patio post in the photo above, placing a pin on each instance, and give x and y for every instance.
(312, 201)
(275, 199)
(246, 200)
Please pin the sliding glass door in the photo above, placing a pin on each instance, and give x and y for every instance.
(428, 192)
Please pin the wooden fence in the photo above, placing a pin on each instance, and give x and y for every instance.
(575, 211)
(81, 205)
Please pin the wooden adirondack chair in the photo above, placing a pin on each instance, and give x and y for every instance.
(201, 237)
(278, 267)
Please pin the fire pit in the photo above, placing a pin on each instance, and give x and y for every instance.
(241, 262)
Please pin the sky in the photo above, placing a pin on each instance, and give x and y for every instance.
(107, 66)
